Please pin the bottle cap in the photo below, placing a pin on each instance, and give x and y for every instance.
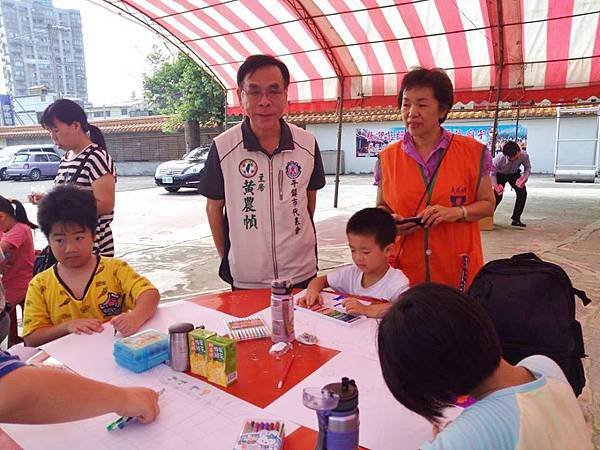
(348, 393)
(281, 287)
(181, 327)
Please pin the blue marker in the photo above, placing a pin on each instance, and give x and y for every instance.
(339, 297)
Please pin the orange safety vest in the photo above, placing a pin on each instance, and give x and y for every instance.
(449, 253)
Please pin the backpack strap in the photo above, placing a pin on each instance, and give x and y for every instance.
(583, 296)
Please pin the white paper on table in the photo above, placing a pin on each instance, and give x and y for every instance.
(384, 423)
(92, 355)
(193, 414)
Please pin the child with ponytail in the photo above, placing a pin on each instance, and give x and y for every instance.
(16, 244)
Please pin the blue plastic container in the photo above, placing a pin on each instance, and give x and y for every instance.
(142, 351)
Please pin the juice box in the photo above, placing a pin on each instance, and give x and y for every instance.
(199, 350)
(222, 360)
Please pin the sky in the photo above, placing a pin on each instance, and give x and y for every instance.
(115, 52)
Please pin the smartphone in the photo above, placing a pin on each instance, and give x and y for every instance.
(415, 220)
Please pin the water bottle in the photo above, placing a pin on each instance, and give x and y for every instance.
(178, 346)
(282, 311)
(337, 411)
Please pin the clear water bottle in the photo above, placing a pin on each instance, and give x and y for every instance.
(282, 311)
(337, 411)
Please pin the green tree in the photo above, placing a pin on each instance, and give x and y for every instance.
(179, 87)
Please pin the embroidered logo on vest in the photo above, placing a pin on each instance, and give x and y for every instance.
(248, 168)
(293, 170)
(458, 195)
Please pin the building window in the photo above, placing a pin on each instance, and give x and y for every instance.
(98, 113)
(124, 111)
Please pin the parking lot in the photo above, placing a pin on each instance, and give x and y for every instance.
(166, 237)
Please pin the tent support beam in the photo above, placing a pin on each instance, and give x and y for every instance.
(338, 160)
(499, 73)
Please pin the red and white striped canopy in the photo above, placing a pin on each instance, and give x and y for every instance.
(531, 49)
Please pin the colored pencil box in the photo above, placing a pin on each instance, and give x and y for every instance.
(260, 434)
(142, 351)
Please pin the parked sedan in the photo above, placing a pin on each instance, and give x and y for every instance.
(8, 153)
(185, 172)
(34, 165)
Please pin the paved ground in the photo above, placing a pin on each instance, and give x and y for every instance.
(166, 237)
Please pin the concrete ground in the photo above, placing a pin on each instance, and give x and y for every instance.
(166, 237)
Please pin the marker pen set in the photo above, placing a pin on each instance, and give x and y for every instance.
(335, 315)
(251, 327)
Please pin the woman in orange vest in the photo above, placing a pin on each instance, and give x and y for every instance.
(438, 179)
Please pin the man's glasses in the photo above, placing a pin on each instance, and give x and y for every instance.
(257, 94)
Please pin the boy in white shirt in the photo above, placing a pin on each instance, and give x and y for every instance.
(371, 234)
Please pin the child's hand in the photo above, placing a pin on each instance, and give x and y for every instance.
(85, 326)
(126, 323)
(310, 299)
(354, 306)
(138, 402)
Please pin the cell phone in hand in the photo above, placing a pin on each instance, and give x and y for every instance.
(415, 220)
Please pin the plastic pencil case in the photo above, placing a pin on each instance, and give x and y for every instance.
(142, 350)
(141, 365)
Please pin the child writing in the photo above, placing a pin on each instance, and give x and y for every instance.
(35, 395)
(371, 233)
(82, 290)
(436, 344)
(17, 246)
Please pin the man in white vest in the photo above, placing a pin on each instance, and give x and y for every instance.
(261, 180)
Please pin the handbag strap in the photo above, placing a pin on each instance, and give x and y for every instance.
(73, 178)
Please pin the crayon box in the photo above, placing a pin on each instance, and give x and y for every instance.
(198, 340)
(221, 366)
(261, 435)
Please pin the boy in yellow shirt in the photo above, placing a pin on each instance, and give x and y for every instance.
(82, 290)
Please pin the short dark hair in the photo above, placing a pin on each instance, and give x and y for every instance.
(436, 79)
(374, 222)
(435, 344)
(511, 148)
(68, 204)
(254, 62)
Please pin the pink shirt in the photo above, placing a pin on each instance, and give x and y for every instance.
(18, 265)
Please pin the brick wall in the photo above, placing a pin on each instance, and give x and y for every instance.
(138, 146)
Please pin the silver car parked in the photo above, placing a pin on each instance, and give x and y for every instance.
(34, 165)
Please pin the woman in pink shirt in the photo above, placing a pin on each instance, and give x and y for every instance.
(17, 245)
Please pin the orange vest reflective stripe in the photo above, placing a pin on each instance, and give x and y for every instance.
(450, 253)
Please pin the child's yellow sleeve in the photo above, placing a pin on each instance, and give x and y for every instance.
(36, 314)
(132, 284)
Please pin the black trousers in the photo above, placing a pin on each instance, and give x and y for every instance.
(511, 178)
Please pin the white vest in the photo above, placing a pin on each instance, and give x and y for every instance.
(270, 229)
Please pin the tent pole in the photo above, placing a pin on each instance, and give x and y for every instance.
(499, 75)
(517, 125)
(339, 143)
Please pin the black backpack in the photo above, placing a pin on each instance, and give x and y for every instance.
(532, 305)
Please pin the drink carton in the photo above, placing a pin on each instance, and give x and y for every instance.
(222, 360)
(198, 340)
